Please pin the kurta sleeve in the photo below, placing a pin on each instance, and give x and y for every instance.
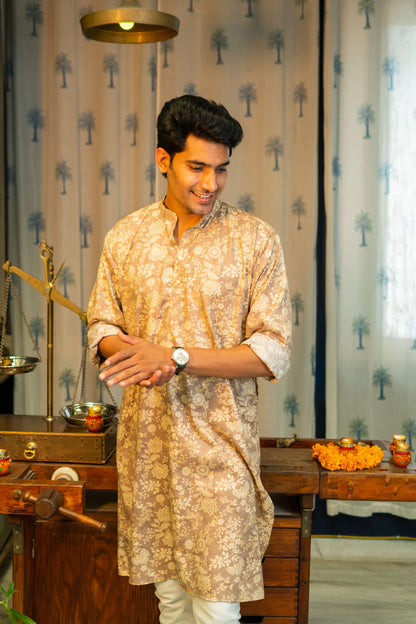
(268, 326)
(104, 314)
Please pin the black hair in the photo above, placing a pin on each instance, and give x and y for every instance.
(191, 114)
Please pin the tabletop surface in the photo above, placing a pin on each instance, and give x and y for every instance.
(283, 470)
(294, 468)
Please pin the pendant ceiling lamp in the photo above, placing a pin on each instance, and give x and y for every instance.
(129, 23)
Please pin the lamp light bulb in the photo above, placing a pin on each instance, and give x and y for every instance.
(126, 25)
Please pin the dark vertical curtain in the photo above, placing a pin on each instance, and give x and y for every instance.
(6, 382)
(320, 381)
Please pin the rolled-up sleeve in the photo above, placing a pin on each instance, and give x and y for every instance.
(269, 326)
(105, 315)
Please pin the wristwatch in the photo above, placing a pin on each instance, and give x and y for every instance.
(181, 359)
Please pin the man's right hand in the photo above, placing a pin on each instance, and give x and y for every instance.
(132, 360)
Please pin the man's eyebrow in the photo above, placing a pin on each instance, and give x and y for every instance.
(202, 164)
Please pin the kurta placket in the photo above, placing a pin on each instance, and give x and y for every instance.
(191, 503)
(180, 271)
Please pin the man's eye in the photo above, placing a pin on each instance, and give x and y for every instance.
(196, 168)
(222, 170)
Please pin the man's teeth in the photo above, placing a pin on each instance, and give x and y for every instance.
(202, 196)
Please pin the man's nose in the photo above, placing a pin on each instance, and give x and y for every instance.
(209, 180)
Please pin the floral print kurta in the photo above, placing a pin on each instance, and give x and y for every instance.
(191, 503)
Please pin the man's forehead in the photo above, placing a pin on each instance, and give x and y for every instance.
(204, 152)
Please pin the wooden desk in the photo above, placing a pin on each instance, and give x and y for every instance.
(66, 572)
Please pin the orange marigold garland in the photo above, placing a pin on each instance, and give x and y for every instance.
(362, 456)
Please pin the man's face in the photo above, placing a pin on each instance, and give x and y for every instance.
(195, 176)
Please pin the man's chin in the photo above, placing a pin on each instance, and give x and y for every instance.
(201, 207)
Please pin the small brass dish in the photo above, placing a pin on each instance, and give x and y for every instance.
(14, 365)
(77, 413)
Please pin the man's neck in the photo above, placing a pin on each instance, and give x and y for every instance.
(184, 223)
(185, 220)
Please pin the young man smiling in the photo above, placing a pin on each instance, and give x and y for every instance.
(190, 306)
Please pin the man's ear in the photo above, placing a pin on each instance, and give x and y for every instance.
(162, 159)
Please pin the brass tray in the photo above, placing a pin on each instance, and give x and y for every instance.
(14, 365)
(76, 414)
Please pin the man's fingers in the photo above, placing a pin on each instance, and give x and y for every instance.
(159, 377)
(153, 380)
(131, 374)
(116, 363)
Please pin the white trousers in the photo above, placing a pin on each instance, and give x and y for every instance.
(178, 607)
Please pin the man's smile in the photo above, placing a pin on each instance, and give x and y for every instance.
(203, 196)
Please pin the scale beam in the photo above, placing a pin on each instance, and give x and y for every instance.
(47, 289)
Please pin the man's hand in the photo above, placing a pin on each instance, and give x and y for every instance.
(135, 361)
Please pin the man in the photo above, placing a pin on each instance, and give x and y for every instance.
(190, 306)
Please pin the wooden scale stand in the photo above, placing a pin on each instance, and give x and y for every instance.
(52, 438)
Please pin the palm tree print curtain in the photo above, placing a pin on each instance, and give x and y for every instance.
(370, 97)
(80, 154)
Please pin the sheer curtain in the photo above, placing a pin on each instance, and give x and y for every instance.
(80, 142)
(371, 246)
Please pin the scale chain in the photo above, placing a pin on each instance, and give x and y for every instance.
(111, 394)
(81, 371)
(19, 303)
(5, 303)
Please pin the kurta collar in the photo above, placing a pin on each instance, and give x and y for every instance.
(170, 216)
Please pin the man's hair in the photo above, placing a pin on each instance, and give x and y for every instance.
(191, 114)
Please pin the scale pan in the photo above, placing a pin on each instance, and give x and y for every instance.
(14, 365)
(76, 414)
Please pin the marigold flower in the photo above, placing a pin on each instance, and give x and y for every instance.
(362, 456)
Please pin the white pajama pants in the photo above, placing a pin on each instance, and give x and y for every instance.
(178, 607)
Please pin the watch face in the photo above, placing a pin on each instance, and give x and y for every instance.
(180, 356)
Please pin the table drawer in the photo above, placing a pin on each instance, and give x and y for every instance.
(283, 543)
(280, 572)
(278, 601)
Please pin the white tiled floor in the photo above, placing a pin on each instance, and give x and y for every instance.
(362, 581)
(362, 593)
(353, 581)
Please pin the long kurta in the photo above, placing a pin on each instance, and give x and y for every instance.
(191, 503)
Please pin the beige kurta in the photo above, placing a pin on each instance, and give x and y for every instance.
(191, 503)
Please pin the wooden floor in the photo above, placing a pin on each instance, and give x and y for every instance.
(342, 591)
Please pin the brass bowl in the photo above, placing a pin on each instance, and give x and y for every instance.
(14, 365)
(77, 413)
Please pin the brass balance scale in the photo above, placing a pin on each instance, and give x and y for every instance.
(64, 438)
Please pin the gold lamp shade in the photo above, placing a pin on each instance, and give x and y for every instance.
(129, 23)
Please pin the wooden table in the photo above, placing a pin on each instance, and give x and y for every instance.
(294, 472)
(66, 572)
